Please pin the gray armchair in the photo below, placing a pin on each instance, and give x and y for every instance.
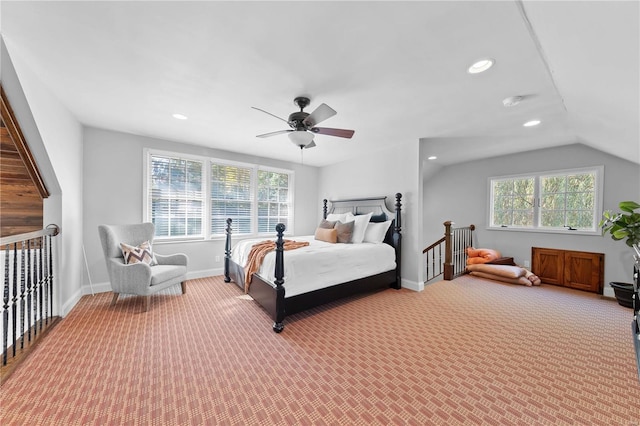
(139, 278)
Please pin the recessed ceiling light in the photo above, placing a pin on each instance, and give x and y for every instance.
(433, 157)
(180, 116)
(481, 65)
(531, 123)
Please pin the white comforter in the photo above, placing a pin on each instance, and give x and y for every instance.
(320, 264)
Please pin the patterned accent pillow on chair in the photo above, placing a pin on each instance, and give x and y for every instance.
(140, 254)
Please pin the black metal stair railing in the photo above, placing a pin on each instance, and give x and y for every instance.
(28, 292)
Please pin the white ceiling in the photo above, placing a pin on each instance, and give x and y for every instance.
(395, 72)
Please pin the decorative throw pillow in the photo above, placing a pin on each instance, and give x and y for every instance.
(334, 217)
(140, 254)
(376, 232)
(378, 218)
(344, 231)
(327, 235)
(481, 255)
(327, 224)
(360, 226)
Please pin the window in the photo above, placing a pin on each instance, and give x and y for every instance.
(566, 200)
(175, 196)
(256, 198)
(231, 197)
(273, 199)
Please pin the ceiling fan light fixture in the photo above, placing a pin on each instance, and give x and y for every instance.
(481, 66)
(301, 137)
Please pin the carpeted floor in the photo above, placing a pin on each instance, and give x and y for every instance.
(468, 351)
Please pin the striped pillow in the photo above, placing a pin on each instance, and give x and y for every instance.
(140, 254)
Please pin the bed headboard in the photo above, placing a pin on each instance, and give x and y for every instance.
(378, 207)
(380, 213)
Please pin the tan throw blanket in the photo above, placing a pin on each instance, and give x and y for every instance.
(257, 254)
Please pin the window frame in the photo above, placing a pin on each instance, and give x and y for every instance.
(598, 171)
(207, 163)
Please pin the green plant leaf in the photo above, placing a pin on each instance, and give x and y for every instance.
(628, 206)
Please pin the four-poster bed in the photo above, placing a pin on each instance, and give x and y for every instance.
(272, 295)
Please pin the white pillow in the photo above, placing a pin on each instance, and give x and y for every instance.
(359, 227)
(376, 232)
(342, 217)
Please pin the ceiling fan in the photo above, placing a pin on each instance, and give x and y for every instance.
(303, 124)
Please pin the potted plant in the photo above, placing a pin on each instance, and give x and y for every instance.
(624, 225)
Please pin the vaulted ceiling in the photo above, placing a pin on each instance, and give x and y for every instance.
(395, 72)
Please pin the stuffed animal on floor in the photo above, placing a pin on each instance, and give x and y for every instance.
(481, 255)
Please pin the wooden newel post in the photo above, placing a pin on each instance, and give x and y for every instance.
(448, 251)
(227, 252)
(278, 325)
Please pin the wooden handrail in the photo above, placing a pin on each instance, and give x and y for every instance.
(51, 230)
(455, 241)
(432, 246)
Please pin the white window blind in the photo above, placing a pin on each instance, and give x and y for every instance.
(231, 197)
(192, 197)
(273, 200)
(175, 196)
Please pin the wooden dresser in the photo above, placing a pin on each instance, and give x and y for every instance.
(568, 268)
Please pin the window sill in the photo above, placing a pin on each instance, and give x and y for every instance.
(546, 231)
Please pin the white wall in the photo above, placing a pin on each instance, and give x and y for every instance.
(384, 173)
(55, 138)
(113, 179)
(459, 193)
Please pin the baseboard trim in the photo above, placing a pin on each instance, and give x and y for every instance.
(608, 292)
(412, 285)
(104, 287)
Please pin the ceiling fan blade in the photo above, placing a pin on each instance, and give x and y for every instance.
(319, 114)
(267, 112)
(279, 132)
(341, 133)
(310, 144)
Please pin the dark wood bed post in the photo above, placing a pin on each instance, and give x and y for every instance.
(324, 208)
(278, 325)
(397, 239)
(227, 252)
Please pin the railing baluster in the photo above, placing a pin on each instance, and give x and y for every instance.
(50, 279)
(455, 242)
(22, 287)
(40, 280)
(29, 287)
(27, 294)
(14, 298)
(5, 305)
(45, 282)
